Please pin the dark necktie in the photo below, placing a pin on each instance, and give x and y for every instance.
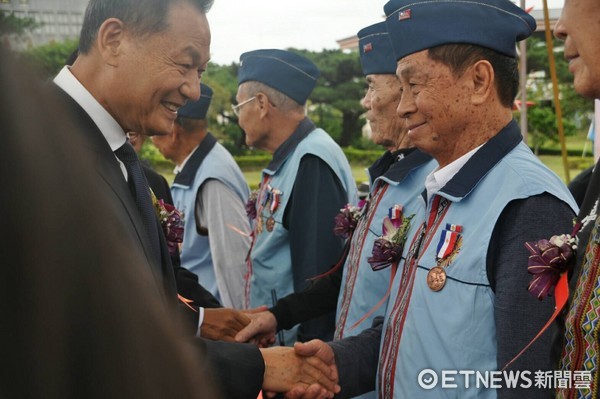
(141, 193)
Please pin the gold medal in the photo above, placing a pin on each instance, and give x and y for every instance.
(436, 278)
(270, 224)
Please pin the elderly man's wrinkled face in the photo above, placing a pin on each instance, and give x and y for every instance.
(381, 101)
(161, 71)
(579, 27)
(434, 103)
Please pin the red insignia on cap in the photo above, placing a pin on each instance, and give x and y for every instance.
(402, 15)
(367, 47)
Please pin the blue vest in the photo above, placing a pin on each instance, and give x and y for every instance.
(362, 288)
(454, 329)
(209, 161)
(270, 269)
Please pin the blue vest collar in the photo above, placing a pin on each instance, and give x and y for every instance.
(383, 164)
(399, 169)
(483, 161)
(187, 175)
(280, 155)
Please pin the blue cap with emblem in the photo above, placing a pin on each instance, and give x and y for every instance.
(197, 109)
(415, 25)
(376, 53)
(287, 72)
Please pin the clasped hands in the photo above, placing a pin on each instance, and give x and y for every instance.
(306, 371)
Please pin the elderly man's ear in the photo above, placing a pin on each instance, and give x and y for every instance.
(483, 79)
(263, 104)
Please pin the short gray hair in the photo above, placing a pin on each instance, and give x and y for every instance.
(277, 98)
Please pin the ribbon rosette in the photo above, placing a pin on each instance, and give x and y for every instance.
(171, 221)
(548, 260)
(387, 249)
(347, 219)
(251, 205)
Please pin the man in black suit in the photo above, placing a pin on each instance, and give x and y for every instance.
(139, 61)
(216, 322)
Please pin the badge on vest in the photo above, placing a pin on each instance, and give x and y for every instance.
(448, 246)
(271, 201)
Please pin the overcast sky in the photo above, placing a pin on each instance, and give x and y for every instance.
(243, 25)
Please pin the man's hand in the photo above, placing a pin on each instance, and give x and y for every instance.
(307, 369)
(321, 350)
(222, 324)
(261, 330)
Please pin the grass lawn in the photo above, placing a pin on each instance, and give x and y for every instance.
(253, 176)
(556, 164)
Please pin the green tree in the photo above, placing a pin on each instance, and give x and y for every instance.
(222, 121)
(340, 86)
(542, 118)
(14, 29)
(543, 126)
(10, 24)
(50, 58)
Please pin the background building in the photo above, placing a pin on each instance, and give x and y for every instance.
(59, 20)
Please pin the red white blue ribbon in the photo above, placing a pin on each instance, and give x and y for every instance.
(395, 212)
(448, 240)
(275, 200)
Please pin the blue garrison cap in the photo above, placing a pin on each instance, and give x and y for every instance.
(197, 109)
(284, 71)
(415, 25)
(376, 53)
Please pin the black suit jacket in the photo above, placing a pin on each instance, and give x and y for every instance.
(237, 368)
(118, 196)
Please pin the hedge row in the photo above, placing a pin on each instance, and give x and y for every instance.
(354, 155)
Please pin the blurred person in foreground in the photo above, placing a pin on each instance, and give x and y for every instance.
(70, 328)
(579, 28)
(109, 96)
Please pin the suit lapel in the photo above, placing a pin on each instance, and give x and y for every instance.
(110, 172)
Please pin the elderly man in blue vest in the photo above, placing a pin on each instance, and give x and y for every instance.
(210, 189)
(306, 183)
(459, 307)
(397, 181)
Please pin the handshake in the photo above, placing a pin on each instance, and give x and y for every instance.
(305, 371)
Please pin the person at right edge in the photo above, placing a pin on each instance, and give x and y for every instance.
(579, 28)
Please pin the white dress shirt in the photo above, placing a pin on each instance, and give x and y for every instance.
(111, 130)
(437, 179)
